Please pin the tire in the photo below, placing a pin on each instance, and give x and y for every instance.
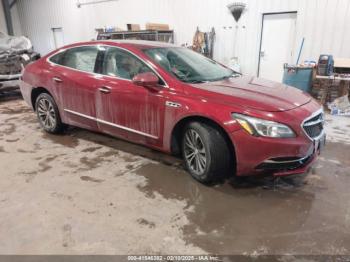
(205, 142)
(48, 114)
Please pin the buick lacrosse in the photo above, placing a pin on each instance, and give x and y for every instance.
(177, 101)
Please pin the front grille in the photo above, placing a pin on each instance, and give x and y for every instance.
(314, 126)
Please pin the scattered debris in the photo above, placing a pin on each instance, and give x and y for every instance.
(340, 106)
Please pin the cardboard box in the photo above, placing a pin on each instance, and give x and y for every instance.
(342, 62)
(133, 27)
(154, 26)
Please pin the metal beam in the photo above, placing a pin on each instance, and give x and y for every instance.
(7, 11)
(93, 2)
(13, 3)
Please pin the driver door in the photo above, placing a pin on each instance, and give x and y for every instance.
(124, 109)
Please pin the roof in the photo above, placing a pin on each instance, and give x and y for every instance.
(140, 43)
(136, 44)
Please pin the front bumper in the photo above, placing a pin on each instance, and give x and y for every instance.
(9, 84)
(10, 77)
(278, 157)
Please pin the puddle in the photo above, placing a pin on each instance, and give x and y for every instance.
(10, 128)
(10, 96)
(233, 218)
(91, 149)
(338, 150)
(61, 139)
(16, 110)
(145, 222)
(91, 179)
(125, 146)
(12, 140)
(96, 161)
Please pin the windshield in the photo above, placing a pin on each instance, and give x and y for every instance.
(189, 66)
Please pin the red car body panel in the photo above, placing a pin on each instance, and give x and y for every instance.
(141, 115)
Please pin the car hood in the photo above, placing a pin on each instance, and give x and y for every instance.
(256, 93)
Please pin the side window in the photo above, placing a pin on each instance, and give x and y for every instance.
(122, 64)
(57, 58)
(82, 58)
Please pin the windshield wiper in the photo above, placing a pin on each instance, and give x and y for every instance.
(235, 74)
(197, 81)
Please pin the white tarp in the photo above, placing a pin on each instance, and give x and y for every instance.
(14, 44)
(15, 53)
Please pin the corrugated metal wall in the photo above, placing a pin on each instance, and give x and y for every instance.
(2, 19)
(15, 20)
(325, 24)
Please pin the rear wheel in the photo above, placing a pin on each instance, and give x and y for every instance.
(47, 113)
(205, 152)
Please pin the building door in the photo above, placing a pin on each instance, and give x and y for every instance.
(58, 37)
(277, 44)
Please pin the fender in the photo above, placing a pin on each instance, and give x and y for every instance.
(173, 116)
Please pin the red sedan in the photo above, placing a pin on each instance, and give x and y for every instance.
(174, 100)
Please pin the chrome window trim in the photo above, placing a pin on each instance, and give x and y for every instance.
(111, 124)
(97, 74)
(310, 117)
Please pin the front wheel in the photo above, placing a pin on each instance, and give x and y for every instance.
(48, 115)
(205, 152)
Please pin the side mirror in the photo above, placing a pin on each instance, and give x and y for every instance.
(148, 80)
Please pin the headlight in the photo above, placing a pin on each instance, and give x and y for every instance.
(261, 127)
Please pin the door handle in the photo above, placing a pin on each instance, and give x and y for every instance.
(57, 79)
(105, 89)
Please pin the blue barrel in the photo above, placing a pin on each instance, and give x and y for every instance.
(299, 77)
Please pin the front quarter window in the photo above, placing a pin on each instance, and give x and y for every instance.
(57, 58)
(122, 64)
(187, 65)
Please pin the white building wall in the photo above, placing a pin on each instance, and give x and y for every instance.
(325, 24)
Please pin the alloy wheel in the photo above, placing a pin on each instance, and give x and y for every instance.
(46, 113)
(194, 151)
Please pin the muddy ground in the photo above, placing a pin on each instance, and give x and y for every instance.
(87, 193)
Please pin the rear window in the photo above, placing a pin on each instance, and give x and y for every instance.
(82, 58)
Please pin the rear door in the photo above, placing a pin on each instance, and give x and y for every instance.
(125, 109)
(76, 85)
